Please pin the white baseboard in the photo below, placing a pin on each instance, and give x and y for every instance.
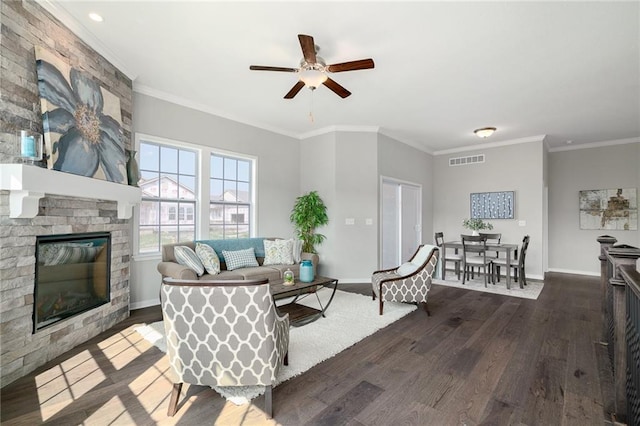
(570, 271)
(143, 304)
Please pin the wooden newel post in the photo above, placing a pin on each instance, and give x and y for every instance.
(606, 241)
(617, 257)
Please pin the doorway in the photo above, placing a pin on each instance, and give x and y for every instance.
(401, 213)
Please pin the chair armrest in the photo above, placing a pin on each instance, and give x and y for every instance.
(386, 270)
(177, 271)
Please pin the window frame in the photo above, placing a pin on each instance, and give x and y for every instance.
(238, 206)
(202, 199)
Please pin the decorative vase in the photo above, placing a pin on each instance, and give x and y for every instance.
(475, 232)
(288, 277)
(133, 172)
(306, 271)
(29, 146)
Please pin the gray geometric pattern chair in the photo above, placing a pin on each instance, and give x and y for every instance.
(223, 333)
(409, 282)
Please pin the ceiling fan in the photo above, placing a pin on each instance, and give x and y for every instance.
(313, 69)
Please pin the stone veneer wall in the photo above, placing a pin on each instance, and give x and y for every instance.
(25, 24)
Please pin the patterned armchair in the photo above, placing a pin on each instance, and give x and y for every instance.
(409, 282)
(223, 333)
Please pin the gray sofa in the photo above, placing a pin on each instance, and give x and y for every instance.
(169, 267)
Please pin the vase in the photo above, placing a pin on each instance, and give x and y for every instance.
(475, 233)
(306, 271)
(133, 172)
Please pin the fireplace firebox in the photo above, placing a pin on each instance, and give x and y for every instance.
(73, 275)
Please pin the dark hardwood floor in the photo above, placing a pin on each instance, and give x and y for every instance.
(478, 359)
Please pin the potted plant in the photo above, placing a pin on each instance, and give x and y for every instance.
(476, 225)
(308, 213)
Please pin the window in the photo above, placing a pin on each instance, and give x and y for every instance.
(192, 192)
(169, 188)
(230, 184)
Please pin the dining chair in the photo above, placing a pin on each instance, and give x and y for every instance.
(474, 253)
(517, 264)
(493, 238)
(451, 257)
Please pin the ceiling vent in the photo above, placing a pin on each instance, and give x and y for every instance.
(463, 161)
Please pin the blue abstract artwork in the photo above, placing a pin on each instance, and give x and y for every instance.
(493, 205)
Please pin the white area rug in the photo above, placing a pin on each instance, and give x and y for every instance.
(350, 318)
(530, 291)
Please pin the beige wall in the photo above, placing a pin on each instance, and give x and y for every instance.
(402, 162)
(518, 168)
(571, 249)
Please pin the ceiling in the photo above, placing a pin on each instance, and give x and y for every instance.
(567, 70)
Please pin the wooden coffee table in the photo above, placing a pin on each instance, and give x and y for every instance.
(302, 314)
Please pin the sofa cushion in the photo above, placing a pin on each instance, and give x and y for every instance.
(297, 249)
(278, 252)
(187, 257)
(407, 269)
(234, 244)
(240, 258)
(258, 273)
(209, 258)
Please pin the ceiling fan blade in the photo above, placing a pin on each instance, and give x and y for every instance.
(265, 68)
(308, 48)
(294, 90)
(361, 64)
(336, 88)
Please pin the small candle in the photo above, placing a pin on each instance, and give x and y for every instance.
(28, 146)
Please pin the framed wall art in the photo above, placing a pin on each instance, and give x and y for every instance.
(82, 121)
(609, 209)
(493, 205)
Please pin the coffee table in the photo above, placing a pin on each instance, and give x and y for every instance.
(302, 314)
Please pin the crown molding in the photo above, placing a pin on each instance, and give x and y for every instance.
(595, 144)
(61, 14)
(154, 93)
(529, 139)
(406, 141)
(337, 128)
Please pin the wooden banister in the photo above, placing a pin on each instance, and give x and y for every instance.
(621, 323)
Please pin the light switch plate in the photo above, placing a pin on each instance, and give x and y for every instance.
(368, 221)
(522, 223)
(349, 221)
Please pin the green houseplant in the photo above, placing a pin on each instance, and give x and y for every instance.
(309, 213)
(476, 225)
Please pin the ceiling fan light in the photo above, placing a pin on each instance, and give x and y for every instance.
(484, 132)
(312, 78)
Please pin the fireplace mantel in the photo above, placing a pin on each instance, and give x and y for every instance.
(27, 184)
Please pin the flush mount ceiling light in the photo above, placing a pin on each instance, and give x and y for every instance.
(484, 132)
(94, 16)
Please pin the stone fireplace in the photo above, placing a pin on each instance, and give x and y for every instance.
(39, 203)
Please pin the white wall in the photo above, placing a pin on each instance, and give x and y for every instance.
(618, 166)
(518, 168)
(278, 172)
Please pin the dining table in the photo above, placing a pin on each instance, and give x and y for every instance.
(507, 248)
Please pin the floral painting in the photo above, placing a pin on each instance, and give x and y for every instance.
(82, 121)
